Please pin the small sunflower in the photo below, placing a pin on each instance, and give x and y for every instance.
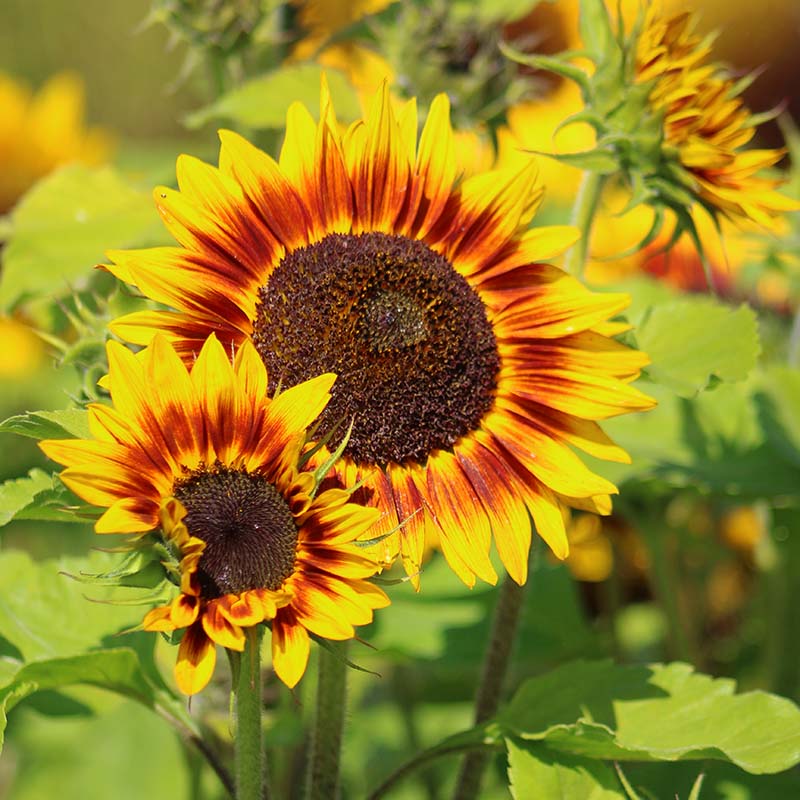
(40, 132)
(706, 120)
(469, 368)
(204, 455)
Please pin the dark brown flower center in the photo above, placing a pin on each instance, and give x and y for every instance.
(408, 338)
(249, 531)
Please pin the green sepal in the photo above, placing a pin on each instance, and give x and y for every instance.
(600, 161)
(559, 66)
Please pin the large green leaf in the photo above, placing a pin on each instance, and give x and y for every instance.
(694, 340)
(262, 103)
(117, 670)
(660, 712)
(63, 226)
(62, 424)
(536, 771)
(17, 494)
(46, 614)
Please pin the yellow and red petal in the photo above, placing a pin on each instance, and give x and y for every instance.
(290, 647)
(197, 656)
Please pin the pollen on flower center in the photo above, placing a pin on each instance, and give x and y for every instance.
(408, 338)
(248, 528)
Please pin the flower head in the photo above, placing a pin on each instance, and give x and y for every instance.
(705, 121)
(40, 132)
(671, 123)
(470, 369)
(205, 456)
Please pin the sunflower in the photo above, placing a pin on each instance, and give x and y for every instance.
(468, 367)
(706, 122)
(40, 132)
(204, 455)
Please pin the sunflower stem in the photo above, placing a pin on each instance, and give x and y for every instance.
(507, 614)
(582, 218)
(250, 766)
(326, 743)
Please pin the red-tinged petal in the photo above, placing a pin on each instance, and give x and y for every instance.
(290, 647)
(495, 484)
(184, 610)
(158, 620)
(244, 610)
(381, 175)
(196, 659)
(271, 196)
(457, 511)
(411, 515)
(220, 630)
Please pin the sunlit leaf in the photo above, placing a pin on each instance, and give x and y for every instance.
(692, 340)
(64, 424)
(17, 494)
(536, 771)
(262, 102)
(64, 225)
(660, 712)
(46, 614)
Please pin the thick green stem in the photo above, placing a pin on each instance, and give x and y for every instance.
(507, 614)
(326, 744)
(250, 768)
(582, 218)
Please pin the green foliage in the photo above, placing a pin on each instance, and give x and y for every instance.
(63, 226)
(536, 771)
(65, 424)
(661, 712)
(18, 494)
(45, 614)
(262, 103)
(117, 670)
(693, 340)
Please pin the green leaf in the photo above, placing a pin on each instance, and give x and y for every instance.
(64, 225)
(661, 712)
(45, 614)
(603, 162)
(118, 670)
(536, 771)
(65, 424)
(263, 102)
(779, 403)
(559, 66)
(594, 26)
(17, 494)
(692, 340)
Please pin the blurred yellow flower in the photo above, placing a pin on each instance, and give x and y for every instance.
(322, 19)
(535, 125)
(591, 555)
(742, 528)
(22, 351)
(39, 132)
(738, 259)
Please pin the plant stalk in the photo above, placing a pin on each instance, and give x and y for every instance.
(582, 218)
(507, 614)
(249, 759)
(326, 743)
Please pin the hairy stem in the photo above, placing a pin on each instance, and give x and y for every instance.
(582, 218)
(250, 766)
(507, 614)
(326, 743)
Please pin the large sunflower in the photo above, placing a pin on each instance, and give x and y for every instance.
(706, 120)
(204, 455)
(469, 368)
